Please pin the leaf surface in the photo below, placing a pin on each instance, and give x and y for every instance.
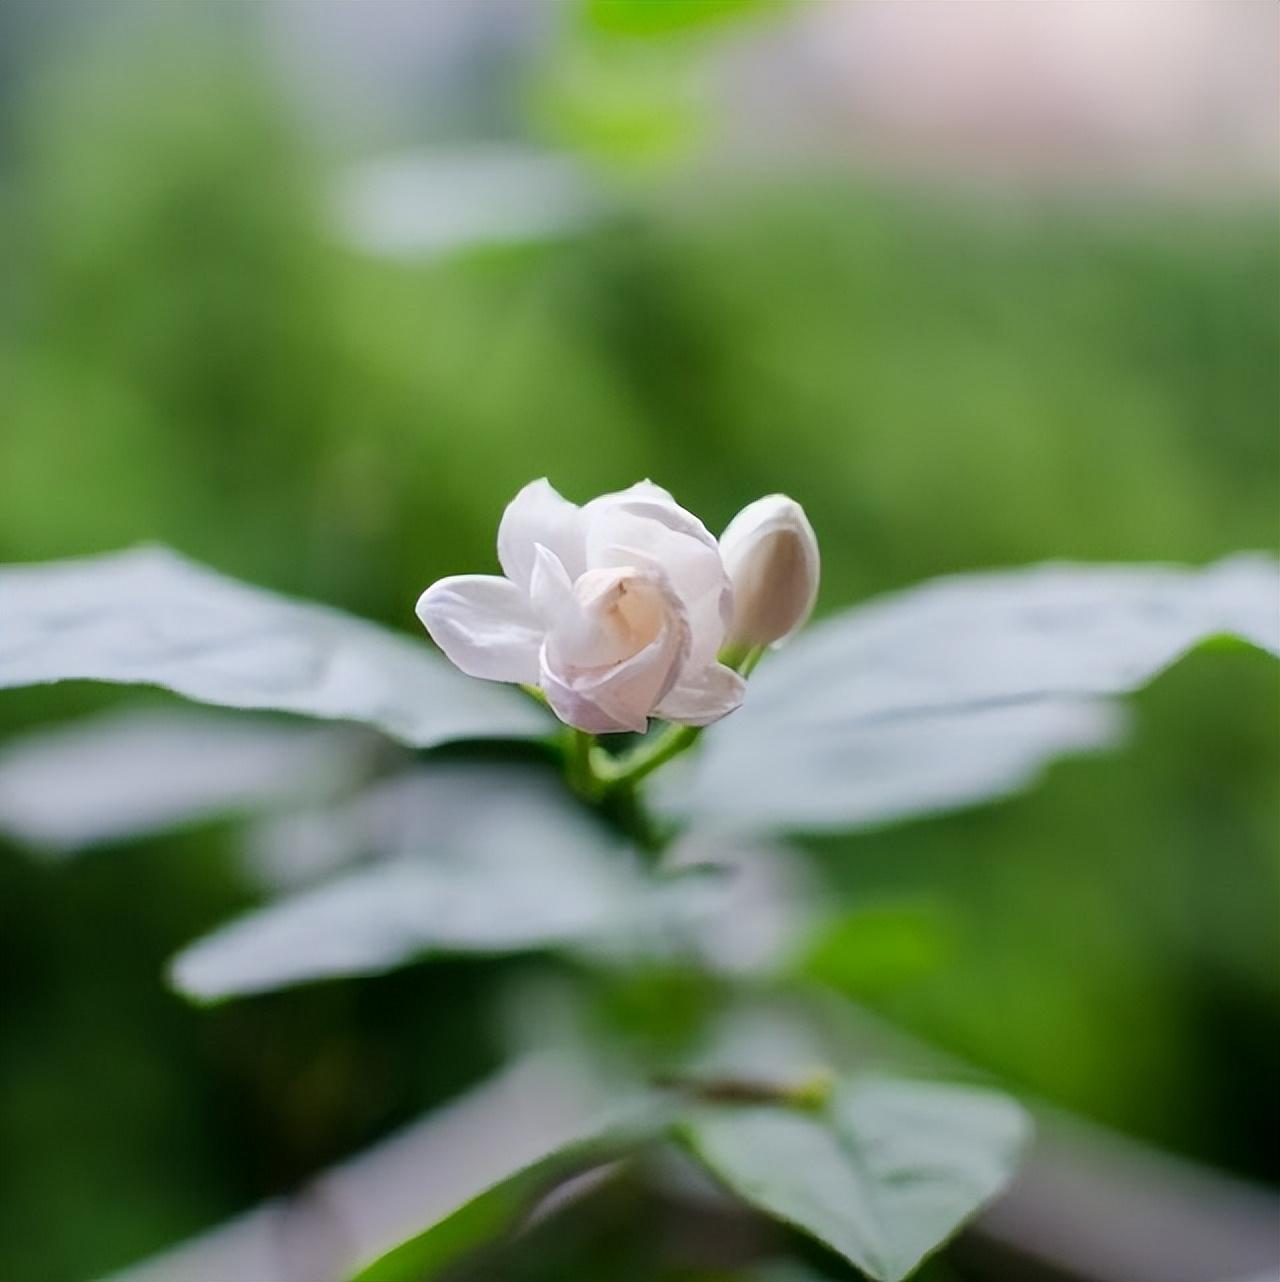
(884, 1174)
(960, 690)
(150, 617)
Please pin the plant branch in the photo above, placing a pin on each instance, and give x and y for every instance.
(626, 772)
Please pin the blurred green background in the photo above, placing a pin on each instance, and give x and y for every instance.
(947, 374)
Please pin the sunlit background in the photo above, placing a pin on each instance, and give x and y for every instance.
(309, 288)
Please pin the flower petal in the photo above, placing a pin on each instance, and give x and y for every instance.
(652, 502)
(591, 676)
(770, 553)
(645, 489)
(630, 691)
(550, 588)
(577, 709)
(538, 514)
(485, 625)
(710, 694)
(646, 533)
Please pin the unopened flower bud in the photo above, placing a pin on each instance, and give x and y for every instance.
(771, 555)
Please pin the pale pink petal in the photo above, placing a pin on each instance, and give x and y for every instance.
(652, 502)
(538, 514)
(630, 691)
(550, 588)
(620, 652)
(577, 710)
(645, 489)
(710, 694)
(485, 625)
(643, 534)
(771, 555)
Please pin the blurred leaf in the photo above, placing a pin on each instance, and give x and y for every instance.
(532, 872)
(660, 17)
(883, 1175)
(624, 105)
(961, 689)
(148, 616)
(484, 1218)
(882, 946)
(540, 1116)
(138, 771)
(440, 201)
(609, 1120)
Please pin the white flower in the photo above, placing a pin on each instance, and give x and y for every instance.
(771, 554)
(616, 610)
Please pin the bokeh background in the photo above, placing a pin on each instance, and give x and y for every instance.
(309, 288)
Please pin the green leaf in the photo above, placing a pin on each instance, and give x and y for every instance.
(150, 617)
(457, 874)
(538, 1119)
(883, 1175)
(481, 1220)
(960, 690)
(605, 1120)
(138, 771)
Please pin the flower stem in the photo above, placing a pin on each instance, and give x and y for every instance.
(578, 768)
(626, 772)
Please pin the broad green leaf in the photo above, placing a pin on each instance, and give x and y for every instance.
(542, 1115)
(884, 1174)
(960, 690)
(484, 1218)
(150, 617)
(138, 771)
(609, 1119)
(509, 863)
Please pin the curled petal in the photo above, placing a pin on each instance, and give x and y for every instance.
(539, 515)
(645, 489)
(655, 532)
(652, 503)
(630, 691)
(706, 696)
(607, 668)
(576, 709)
(485, 625)
(550, 588)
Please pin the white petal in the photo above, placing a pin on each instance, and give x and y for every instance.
(630, 691)
(538, 514)
(620, 697)
(771, 555)
(706, 697)
(645, 489)
(593, 686)
(645, 499)
(485, 625)
(578, 710)
(625, 530)
(550, 588)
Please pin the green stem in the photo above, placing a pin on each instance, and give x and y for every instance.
(626, 772)
(578, 768)
(747, 665)
(536, 694)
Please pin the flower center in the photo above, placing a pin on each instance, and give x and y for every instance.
(621, 611)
